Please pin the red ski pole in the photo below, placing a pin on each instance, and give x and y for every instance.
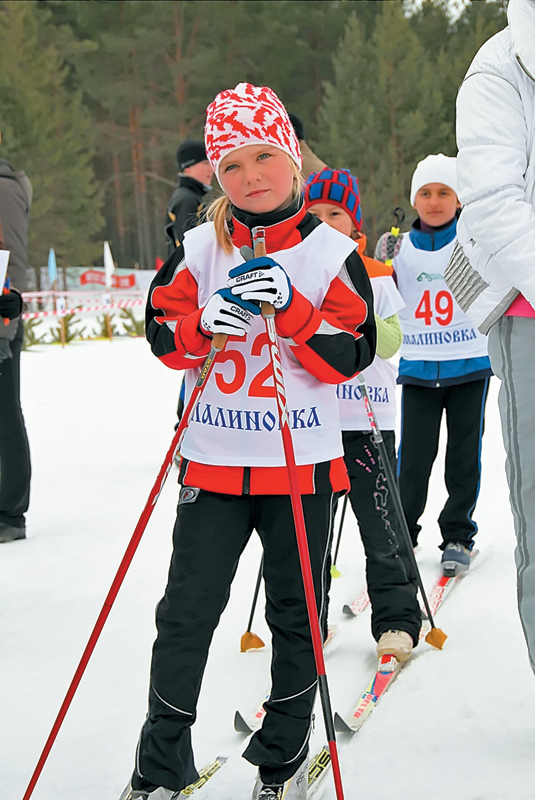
(218, 343)
(268, 312)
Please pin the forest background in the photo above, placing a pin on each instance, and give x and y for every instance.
(96, 95)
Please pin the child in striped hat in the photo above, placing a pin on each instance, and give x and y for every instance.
(333, 196)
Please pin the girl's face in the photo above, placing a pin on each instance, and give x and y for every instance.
(334, 216)
(257, 178)
(436, 204)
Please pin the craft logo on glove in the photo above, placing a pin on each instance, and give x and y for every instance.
(261, 280)
(250, 276)
(240, 312)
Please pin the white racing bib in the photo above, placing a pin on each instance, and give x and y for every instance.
(236, 421)
(434, 327)
(380, 376)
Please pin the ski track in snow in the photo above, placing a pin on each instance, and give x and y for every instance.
(456, 724)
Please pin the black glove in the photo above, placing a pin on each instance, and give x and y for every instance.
(10, 304)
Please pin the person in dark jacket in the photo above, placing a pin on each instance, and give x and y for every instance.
(187, 203)
(311, 162)
(15, 469)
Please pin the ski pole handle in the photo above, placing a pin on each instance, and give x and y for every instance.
(259, 245)
(219, 341)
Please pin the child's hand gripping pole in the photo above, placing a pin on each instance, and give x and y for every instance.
(435, 637)
(268, 312)
(394, 232)
(218, 343)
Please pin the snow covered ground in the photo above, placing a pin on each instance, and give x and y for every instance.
(458, 724)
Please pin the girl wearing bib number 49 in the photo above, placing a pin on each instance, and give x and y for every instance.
(444, 365)
(233, 471)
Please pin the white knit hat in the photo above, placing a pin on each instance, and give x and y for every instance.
(248, 115)
(434, 169)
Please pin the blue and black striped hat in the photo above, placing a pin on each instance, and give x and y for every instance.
(336, 186)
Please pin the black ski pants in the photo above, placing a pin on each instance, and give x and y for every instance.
(421, 416)
(392, 585)
(210, 533)
(15, 470)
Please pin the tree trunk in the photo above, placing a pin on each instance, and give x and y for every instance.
(137, 189)
(119, 213)
(180, 82)
(159, 197)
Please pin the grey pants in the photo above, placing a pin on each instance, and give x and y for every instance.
(511, 342)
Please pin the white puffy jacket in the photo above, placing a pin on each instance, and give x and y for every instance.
(496, 170)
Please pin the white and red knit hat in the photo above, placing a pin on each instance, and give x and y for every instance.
(248, 115)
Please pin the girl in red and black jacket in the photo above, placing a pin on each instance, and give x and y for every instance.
(233, 471)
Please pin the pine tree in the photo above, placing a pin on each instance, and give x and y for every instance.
(392, 100)
(452, 45)
(382, 113)
(157, 67)
(48, 132)
(143, 72)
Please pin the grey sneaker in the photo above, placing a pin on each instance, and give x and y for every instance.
(455, 559)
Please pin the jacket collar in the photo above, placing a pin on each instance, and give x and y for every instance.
(282, 227)
(521, 18)
(194, 184)
(434, 239)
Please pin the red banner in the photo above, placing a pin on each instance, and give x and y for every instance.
(123, 281)
(93, 276)
(117, 281)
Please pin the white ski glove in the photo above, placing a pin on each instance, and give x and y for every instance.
(224, 313)
(263, 280)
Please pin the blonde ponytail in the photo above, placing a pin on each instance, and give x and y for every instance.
(219, 213)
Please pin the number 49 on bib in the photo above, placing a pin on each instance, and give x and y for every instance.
(442, 311)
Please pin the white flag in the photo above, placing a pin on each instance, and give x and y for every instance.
(109, 266)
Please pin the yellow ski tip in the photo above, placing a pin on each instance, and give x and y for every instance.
(436, 638)
(335, 572)
(250, 641)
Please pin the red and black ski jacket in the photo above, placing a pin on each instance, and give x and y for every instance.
(333, 342)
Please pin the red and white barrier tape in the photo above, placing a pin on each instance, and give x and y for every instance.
(82, 293)
(64, 312)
